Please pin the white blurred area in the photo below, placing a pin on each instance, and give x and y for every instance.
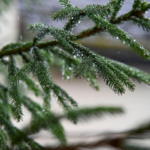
(9, 23)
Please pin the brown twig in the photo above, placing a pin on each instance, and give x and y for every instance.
(26, 48)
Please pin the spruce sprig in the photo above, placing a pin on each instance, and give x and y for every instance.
(77, 61)
(14, 93)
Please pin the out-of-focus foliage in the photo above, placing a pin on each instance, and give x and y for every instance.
(75, 61)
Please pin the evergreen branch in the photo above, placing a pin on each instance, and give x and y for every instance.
(14, 92)
(3, 140)
(67, 12)
(26, 47)
(75, 18)
(144, 23)
(22, 137)
(116, 6)
(132, 72)
(145, 6)
(67, 70)
(20, 75)
(50, 122)
(32, 85)
(140, 5)
(24, 57)
(46, 101)
(64, 3)
(44, 30)
(101, 10)
(124, 17)
(32, 106)
(23, 146)
(92, 81)
(102, 69)
(123, 77)
(76, 14)
(83, 67)
(63, 97)
(74, 62)
(69, 59)
(49, 57)
(85, 113)
(73, 21)
(61, 35)
(136, 4)
(41, 70)
(123, 36)
(16, 135)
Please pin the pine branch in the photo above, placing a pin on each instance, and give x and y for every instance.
(144, 23)
(3, 140)
(63, 97)
(92, 80)
(83, 67)
(132, 72)
(116, 6)
(76, 14)
(50, 122)
(23, 146)
(24, 48)
(64, 3)
(14, 92)
(114, 79)
(123, 36)
(41, 70)
(20, 75)
(86, 113)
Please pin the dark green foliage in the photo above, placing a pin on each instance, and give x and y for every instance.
(116, 6)
(74, 115)
(144, 23)
(75, 60)
(3, 139)
(15, 98)
(47, 120)
(123, 36)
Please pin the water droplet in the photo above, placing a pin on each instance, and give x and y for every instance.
(18, 17)
(20, 37)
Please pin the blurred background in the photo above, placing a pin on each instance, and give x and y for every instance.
(13, 27)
